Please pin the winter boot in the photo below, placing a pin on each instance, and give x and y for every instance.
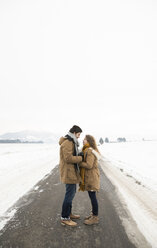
(89, 216)
(74, 216)
(68, 222)
(92, 220)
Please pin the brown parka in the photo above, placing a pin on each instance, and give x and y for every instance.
(68, 172)
(92, 173)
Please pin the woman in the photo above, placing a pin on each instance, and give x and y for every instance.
(90, 176)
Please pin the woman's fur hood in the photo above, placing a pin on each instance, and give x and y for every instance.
(97, 155)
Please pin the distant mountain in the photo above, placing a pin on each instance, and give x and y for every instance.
(27, 135)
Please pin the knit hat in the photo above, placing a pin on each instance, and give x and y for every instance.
(75, 129)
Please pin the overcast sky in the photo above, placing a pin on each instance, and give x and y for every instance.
(90, 63)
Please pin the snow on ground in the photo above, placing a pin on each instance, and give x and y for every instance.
(132, 168)
(138, 159)
(21, 167)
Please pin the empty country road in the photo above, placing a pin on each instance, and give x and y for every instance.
(36, 223)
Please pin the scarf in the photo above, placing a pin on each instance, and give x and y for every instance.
(75, 142)
(82, 170)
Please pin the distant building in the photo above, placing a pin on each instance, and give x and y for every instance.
(121, 140)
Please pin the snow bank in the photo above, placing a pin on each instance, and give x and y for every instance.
(127, 166)
(21, 167)
(137, 159)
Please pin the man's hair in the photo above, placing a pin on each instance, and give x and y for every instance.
(75, 129)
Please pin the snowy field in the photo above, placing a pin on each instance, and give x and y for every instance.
(132, 168)
(137, 159)
(21, 167)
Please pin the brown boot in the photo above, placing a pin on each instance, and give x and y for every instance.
(68, 223)
(92, 220)
(89, 216)
(74, 216)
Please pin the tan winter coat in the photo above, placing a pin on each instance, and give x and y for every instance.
(68, 173)
(92, 174)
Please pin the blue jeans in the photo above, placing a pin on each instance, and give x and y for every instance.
(94, 202)
(67, 203)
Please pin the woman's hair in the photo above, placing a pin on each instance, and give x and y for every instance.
(92, 142)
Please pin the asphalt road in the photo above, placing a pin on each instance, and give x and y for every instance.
(36, 223)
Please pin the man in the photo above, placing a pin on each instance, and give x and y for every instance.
(69, 172)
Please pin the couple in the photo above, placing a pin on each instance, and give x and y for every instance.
(79, 168)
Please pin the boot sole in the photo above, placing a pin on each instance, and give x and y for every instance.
(63, 224)
(91, 224)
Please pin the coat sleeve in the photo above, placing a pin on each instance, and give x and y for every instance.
(67, 151)
(89, 161)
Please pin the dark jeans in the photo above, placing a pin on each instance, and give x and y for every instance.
(67, 203)
(92, 196)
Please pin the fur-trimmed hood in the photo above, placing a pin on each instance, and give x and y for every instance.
(97, 155)
(61, 140)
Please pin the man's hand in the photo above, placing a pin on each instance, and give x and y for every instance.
(82, 155)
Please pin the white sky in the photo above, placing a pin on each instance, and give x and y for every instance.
(89, 63)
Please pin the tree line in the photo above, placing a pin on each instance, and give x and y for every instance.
(106, 140)
(19, 141)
